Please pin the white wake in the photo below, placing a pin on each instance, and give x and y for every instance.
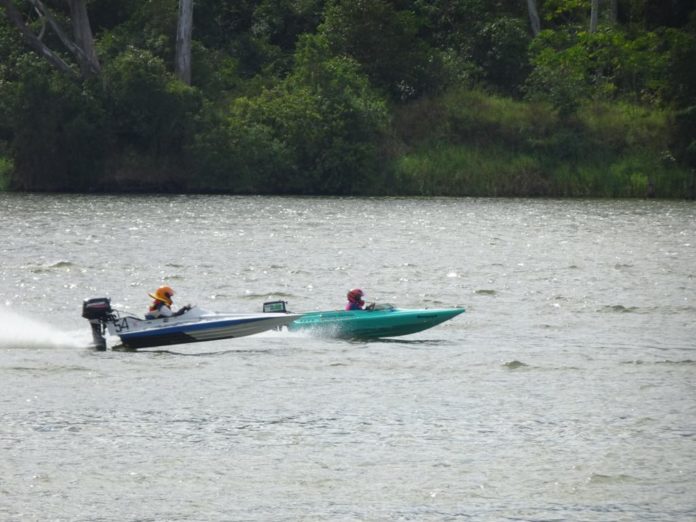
(18, 331)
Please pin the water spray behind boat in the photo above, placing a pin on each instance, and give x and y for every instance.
(23, 332)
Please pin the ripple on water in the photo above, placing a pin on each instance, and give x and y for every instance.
(599, 478)
(514, 365)
(685, 362)
(48, 369)
(55, 266)
(619, 309)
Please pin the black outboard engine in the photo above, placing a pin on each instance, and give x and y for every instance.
(97, 310)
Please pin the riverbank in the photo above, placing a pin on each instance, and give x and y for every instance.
(463, 143)
(474, 144)
(6, 168)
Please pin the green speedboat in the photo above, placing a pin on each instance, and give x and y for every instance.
(381, 321)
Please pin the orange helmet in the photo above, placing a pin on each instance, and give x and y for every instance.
(355, 296)
(164, 294)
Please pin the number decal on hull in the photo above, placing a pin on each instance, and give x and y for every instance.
(121, 325)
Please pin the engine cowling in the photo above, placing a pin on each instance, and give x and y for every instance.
(97, 310)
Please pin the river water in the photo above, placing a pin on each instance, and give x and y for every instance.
(567, 391)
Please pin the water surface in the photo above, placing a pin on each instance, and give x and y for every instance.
(566, 392)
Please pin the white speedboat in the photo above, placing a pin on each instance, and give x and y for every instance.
(194, 325)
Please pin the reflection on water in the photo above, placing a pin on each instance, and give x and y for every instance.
(121, 348)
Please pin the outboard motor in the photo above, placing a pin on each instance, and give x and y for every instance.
(97, 310)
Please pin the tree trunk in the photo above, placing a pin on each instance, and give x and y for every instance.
(89, 63)
(534, 17)
(614, 12)
(183, 41)
(594, 16)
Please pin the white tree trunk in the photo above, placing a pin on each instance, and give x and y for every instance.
(594, 16)
(82, 31)
(534, 17)
(614, 13)
(183, 41)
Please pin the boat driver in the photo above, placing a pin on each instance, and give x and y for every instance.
(162, 304)
(355, 300)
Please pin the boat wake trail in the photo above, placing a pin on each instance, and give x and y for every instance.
(19, 332)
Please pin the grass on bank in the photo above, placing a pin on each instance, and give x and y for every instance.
(497, 171)
(6, 167)
(469, 143)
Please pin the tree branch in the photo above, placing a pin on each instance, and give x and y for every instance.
(76, 50)
(33, 42)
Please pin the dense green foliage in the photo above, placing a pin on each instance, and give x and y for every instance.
(386, 97)
(486, 145)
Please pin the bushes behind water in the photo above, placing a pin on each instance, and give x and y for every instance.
(324, 131)
(5, 171)
(58, 141)
(317, 132)
(475, 144)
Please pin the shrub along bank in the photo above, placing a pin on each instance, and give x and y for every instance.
(303, 139)
(474, 144)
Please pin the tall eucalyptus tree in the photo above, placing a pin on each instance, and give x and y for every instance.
(534, 17)
(183, 41)
(594, 16)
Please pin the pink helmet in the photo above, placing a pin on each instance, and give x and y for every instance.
(355, 296)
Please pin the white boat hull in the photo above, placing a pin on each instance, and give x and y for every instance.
(195, 325)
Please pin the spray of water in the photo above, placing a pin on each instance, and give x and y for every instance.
(18, 331)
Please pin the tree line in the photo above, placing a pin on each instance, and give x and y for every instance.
(456, 97)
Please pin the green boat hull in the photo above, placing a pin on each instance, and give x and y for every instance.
(370, 324)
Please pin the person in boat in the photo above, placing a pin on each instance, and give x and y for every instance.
(162, 304)
(355, 300)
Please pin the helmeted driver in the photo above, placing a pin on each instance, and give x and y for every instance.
(162, 304)
(355, 299)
